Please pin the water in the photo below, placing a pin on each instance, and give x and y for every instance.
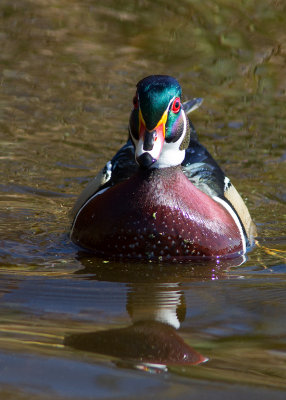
(73, 326)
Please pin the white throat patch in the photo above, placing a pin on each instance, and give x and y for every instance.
(171, 154)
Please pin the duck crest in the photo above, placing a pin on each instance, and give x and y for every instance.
(162, 196)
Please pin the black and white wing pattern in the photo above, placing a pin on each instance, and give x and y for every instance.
(203, 171)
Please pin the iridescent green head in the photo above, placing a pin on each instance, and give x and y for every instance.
(158, 124)
(155, 93)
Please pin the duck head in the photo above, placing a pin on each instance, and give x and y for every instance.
(158, 125)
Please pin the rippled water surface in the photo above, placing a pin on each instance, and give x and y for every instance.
(73, 326)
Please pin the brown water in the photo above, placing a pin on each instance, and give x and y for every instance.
(74, 326)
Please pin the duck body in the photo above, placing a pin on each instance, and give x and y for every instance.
(170, 203)
(163, 216)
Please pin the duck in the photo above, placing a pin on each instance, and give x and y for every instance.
(162, 197)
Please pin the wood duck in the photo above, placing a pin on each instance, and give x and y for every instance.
(162, 196)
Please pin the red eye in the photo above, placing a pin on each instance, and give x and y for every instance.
(135, 101)
(176, 105)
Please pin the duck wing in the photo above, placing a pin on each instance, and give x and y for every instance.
(204, 172)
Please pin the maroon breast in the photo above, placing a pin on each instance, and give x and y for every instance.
(156, 214)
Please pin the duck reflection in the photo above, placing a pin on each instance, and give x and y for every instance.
(148, 345)
(156, 306)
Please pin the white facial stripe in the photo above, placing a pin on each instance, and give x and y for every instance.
(185, 124)
(171, 101)
(235, 218)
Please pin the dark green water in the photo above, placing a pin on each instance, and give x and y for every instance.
(73, 327)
